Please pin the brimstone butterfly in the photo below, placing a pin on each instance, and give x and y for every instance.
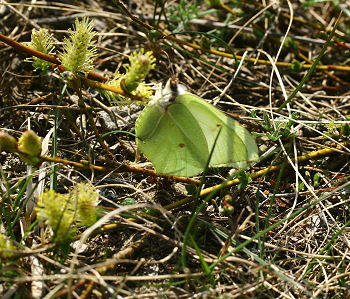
(177, 133)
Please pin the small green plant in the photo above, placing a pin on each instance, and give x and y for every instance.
(41, 41)
(316, 179)
(339, 4)
(79, 50)
(244, 179)
(6, 247)
(226, 208)
(61, 211)
(28, 146)
(295, 66)
(290, 43)
(8, 143)
(282, 129)
(183, 13)
(214, 3)
(133, 81)
(56, 211)
(345, 129)
(78, 55)
(85, 198)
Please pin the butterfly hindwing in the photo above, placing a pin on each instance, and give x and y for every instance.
(234, 147)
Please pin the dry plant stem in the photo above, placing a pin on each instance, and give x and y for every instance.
(56, 63)
(277, 42)
(72, 124)
(120, 91)
(72, 288)
(314, 66)
(316, 26)
(258, 61)
(27, 50)
(127, 168)
(305, 22)
(118, 169)
(31, 52)
(124, 254)
(92, 75)
(87, 111)
(88, 289)
(97, 133)
(104, 229)
(22, 279)
(128, 252)
(336, 78)
(224, 54)
(342, 45)
(300, 159)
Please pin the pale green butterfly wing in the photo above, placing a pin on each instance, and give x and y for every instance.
(234, 147)
(173, 149)
(178, 135)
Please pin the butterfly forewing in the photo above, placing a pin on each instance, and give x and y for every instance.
(173, 141)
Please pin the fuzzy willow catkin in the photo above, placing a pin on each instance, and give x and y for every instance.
(79, 50)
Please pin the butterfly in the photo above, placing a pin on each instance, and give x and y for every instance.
(177, 130)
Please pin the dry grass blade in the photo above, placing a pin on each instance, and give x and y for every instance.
(112, 226)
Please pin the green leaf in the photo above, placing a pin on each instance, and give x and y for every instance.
(244, 180)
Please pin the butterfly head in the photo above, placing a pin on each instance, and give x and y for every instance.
(167, 95)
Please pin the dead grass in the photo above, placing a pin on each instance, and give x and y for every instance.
(289, 234)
